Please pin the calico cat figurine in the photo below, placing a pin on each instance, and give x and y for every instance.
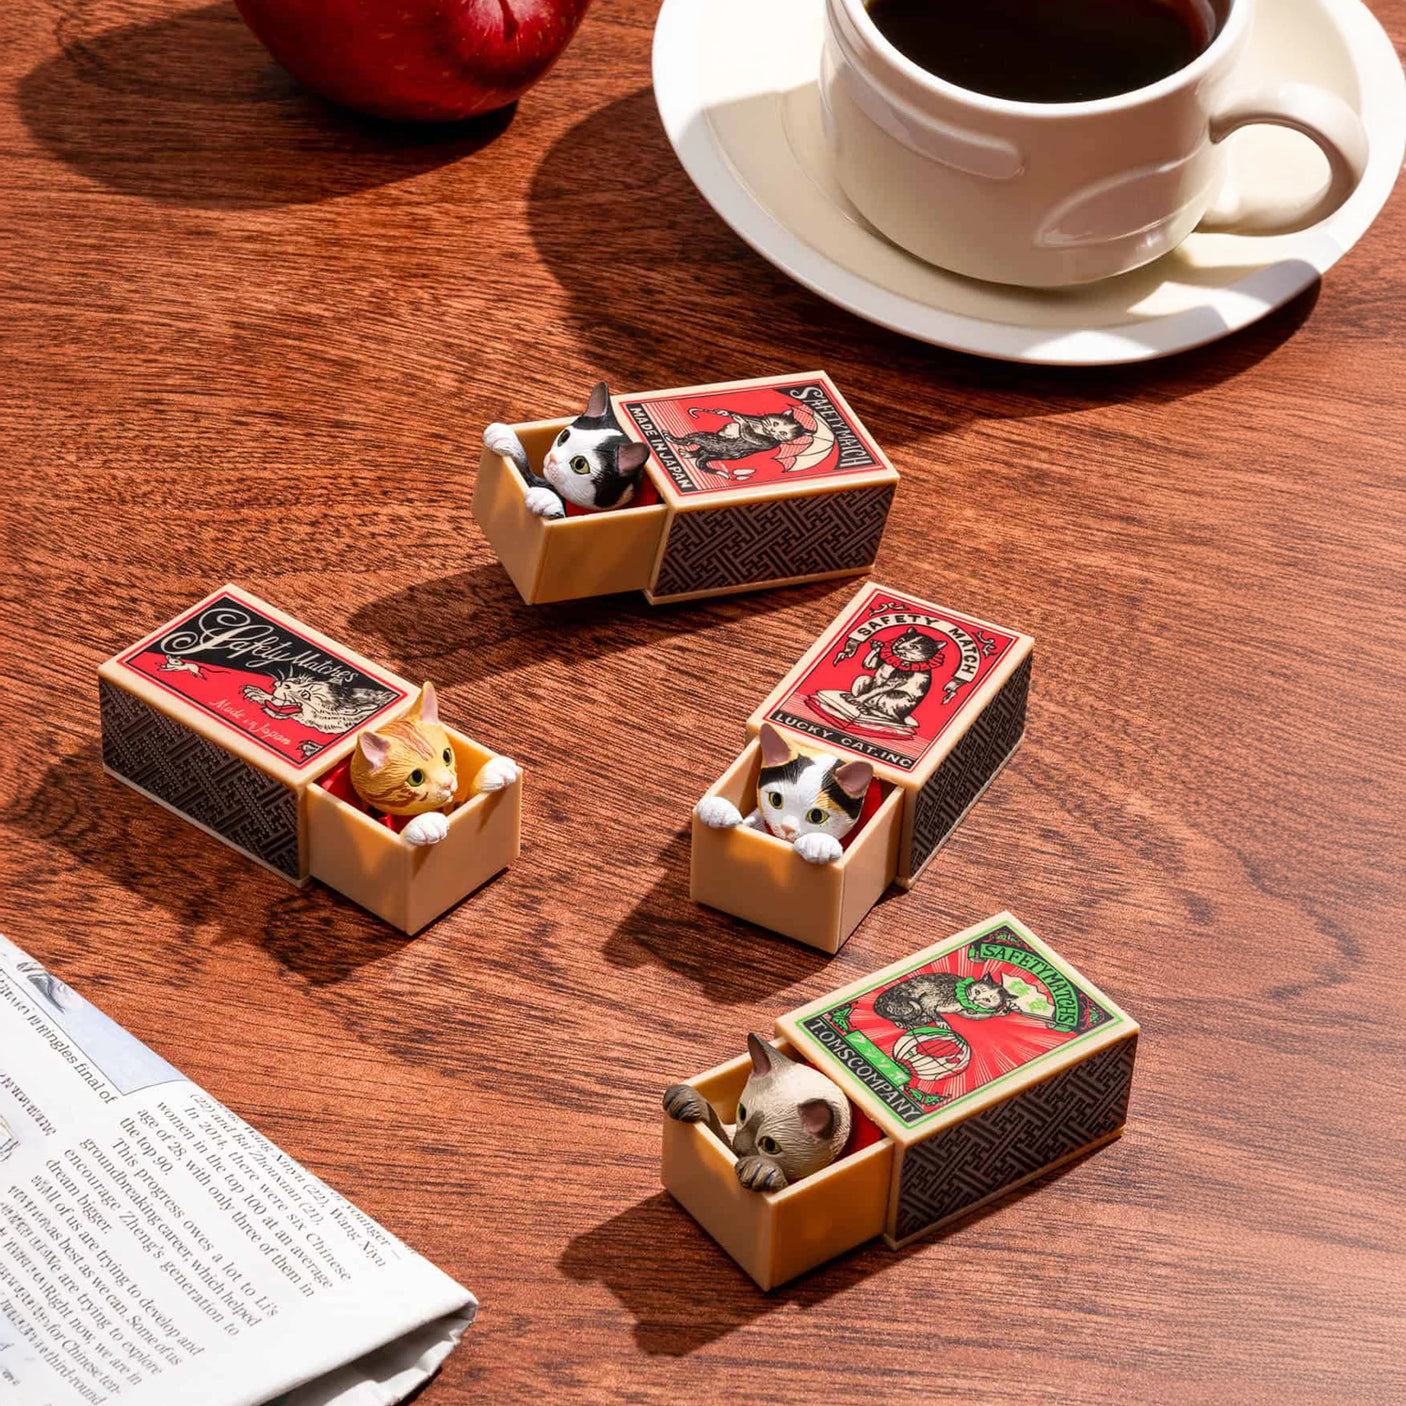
(408, 767)
(811, 799)
(592, 463)
(791, 1120)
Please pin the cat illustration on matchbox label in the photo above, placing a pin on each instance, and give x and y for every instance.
(742, 438)
(970, 1068)
(684, 493)
(922, 704)
(308, 758)
(262, 679)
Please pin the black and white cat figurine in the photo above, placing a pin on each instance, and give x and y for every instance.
(592, 463)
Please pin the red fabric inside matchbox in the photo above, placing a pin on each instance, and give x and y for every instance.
(646, 496)
(338, 782)
(863, 1130)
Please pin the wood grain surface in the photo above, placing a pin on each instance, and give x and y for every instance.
(247, 337)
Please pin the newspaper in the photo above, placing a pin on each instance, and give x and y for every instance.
(156, 1251)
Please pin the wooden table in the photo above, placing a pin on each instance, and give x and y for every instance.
(248, 338)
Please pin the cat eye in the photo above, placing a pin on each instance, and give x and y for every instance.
(448, 757)
(561, 438)
(816, 816)
(741, 1112)
(417, 777)
(769, 1145)
(579, 465)
(773, 798)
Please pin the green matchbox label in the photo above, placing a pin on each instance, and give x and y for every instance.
(926, 1038)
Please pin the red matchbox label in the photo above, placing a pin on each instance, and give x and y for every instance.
(753, 437)
(924, 1040)
(259, 678)
(893, 677)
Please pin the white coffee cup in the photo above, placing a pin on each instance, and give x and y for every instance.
(1049, 194)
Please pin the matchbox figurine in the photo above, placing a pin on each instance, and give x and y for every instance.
(308, 758)
(970, 1068)
(863, 760)
(686, 493)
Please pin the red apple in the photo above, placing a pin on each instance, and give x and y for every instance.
(416, 60)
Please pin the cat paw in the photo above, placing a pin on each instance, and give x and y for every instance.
(501, 440)
(255, 694)
(427, 829)
(542, 502)
(818, 849)
(718, 813)
(757, 1174)
(685, 1104)
(495, 774)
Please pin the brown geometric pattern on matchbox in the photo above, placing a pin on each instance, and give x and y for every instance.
(201, 780)
(721, 547)
(1011, 1140)
(969, 766)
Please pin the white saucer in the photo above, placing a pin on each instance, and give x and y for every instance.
(735, 81)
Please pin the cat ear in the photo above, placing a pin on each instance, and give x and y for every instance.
(374, 748)
(767, 1059)
(854, 778)
(599, 403)
(762, 1054)
(775, 748)
(817, 1117)
(426, 709)
(631, 457)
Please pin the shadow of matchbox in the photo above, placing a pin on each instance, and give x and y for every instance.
(977, 1064)
(936, 727)
(241, 720)
(807, 509)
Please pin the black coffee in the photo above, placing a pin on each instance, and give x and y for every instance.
(1047, 51)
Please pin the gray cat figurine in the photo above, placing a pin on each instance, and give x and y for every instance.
(791, 1120)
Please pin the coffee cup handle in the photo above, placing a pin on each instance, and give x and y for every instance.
(1321, 116)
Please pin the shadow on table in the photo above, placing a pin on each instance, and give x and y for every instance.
(473, 626)
(162, 860)
(190, 109)
(733, 963)
(685, 1292)
(616, 170)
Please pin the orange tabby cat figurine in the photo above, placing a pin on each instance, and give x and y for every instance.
(408, 768)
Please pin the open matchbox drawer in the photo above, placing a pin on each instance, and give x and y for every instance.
(237, 718)
(811, 508)
(937, 730)
(968, 1106)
